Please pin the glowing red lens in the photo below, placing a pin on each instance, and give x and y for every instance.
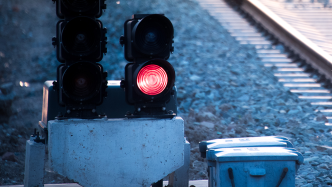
(152, 79)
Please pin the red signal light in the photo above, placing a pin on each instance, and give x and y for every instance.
(152, 79)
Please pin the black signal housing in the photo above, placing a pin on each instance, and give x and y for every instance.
(149, 78)
(80, 38)
(80, 43)
(81, 88)
(147, 36)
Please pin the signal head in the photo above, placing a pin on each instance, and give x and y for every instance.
(152, 79)
(81, 83)
(147, 36)
(80, 37)
(149, 82)
(153, 34)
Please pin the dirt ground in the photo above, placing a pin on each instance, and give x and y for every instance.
(27, 59)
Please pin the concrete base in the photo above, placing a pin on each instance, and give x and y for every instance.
(180, 177)
(34, 164)
(116, 152)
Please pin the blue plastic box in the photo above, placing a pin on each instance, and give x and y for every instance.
(253, 166)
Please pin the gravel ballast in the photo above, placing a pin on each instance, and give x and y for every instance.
(223, 88)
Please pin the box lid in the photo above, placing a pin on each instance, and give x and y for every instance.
(239, 154)
(264, 141)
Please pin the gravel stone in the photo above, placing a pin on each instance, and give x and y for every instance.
(207, 124)
(9, 156)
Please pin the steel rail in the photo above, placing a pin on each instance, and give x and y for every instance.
(285, 33)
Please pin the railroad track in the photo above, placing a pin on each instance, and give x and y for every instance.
(292, 36)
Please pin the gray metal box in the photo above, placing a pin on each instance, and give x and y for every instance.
(253, 166)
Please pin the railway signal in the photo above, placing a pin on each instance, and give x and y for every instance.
(149, 78)
(80, 43)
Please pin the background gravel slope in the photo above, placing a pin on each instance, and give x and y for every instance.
(223, 89)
